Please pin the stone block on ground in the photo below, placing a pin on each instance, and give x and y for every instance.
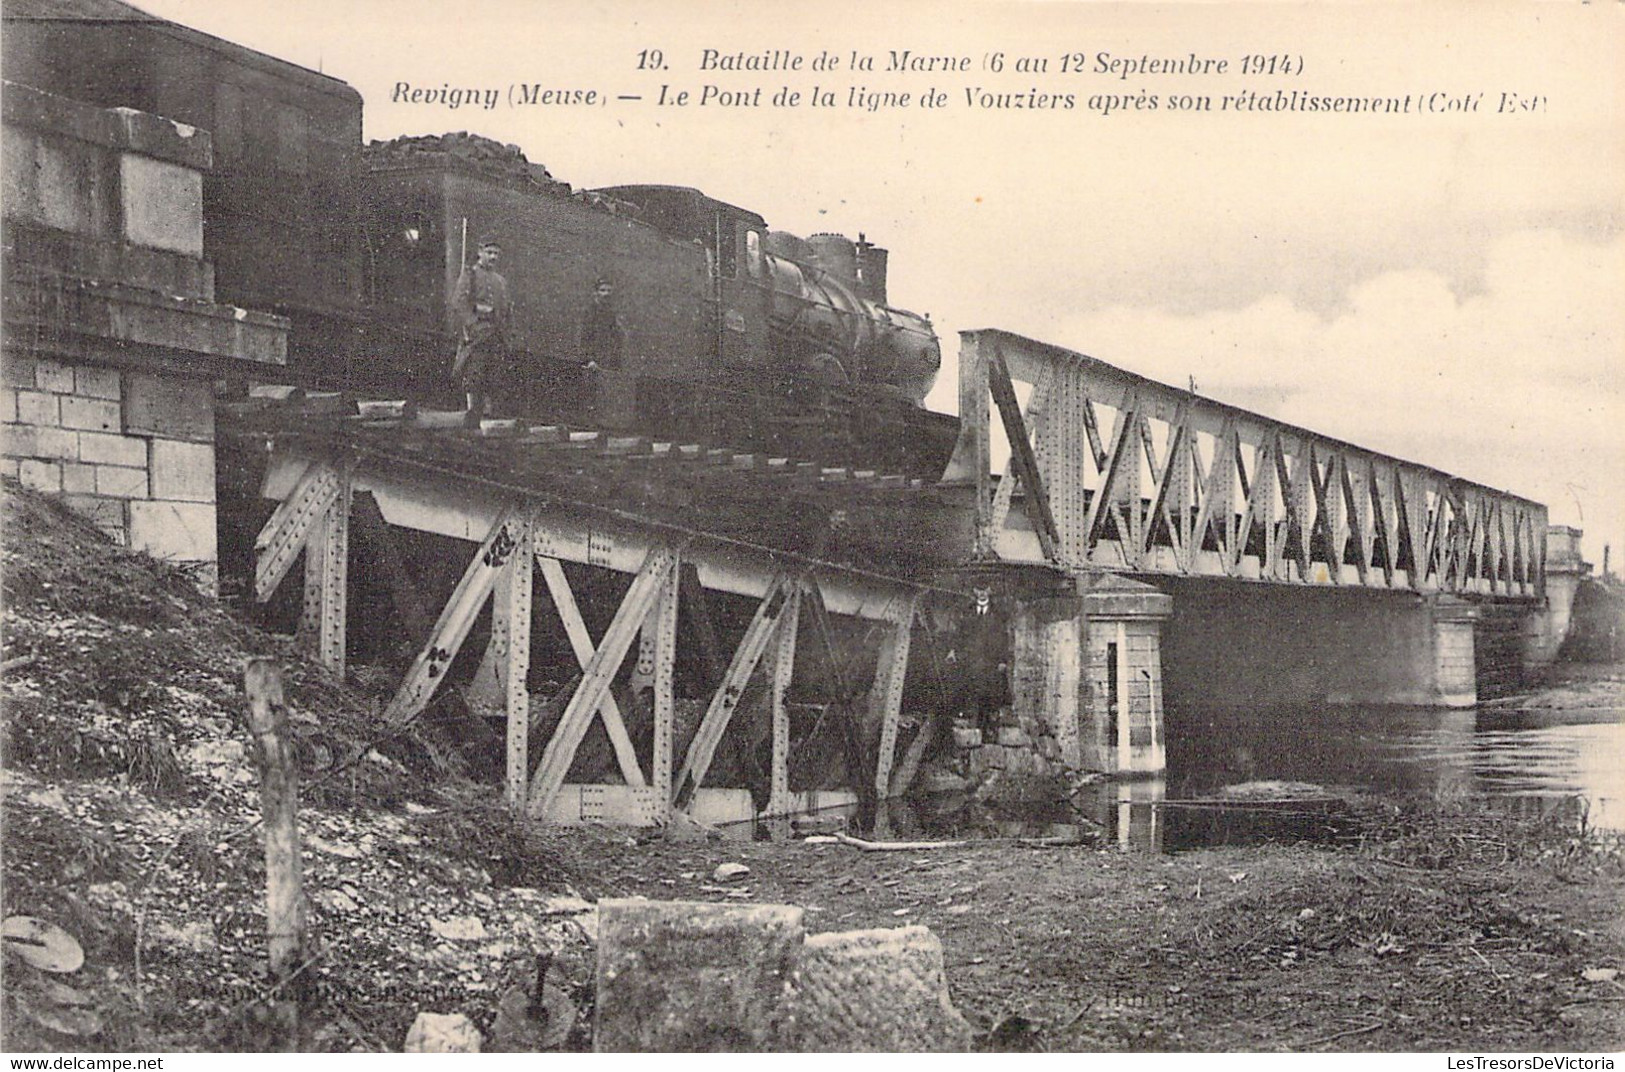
(435, 1032)
(689, 976)
(935, 780)
(875, 991)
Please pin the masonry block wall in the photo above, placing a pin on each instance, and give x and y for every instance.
(1124, 731)
(1085, 687)
(1125, 692)
(1261, 646)
(1455, 654)
(1046, 674)
(1016, 755)
(131, 451)
(112, 340)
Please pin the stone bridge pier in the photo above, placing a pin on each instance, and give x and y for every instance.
(1546, 628)
(1092, 670)
(1086, 670)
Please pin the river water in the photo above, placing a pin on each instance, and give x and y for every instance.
(1568, 761)
(1565, 761)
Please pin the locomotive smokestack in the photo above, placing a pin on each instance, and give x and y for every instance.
(871, 267)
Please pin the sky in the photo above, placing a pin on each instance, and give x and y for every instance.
(1443, 283)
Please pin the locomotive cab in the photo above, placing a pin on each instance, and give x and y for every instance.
(732, 240)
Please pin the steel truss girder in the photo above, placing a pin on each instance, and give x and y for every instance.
(575, 628)
(315, 491)
(314, 519)
(511, 620)
(886, 695)
(782, 661)
(287, 530)
(501, 570)
(1228, 493)
(659, 568)
(575, 534)
(508, 536)
(781, 601)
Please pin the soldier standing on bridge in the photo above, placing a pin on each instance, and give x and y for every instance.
(602, 348)
(483, 311)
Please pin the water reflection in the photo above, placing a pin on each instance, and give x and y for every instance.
(1532, 762)
(1137, 819)
(1547, 755)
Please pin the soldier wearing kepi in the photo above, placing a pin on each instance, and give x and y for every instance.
(602, 348)
(483, 310)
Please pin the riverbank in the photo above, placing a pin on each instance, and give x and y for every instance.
(1575, 686)
(130, 805)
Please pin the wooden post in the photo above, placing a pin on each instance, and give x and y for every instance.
(279, 804)
(511, 619)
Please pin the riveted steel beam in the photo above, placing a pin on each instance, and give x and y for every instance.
(451, 629)
(645, 591)
(726, 699)
(1303, 497)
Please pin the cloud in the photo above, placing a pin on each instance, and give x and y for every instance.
(1518, 385)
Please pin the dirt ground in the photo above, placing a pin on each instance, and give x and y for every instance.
(1389, 946)
(130, 802)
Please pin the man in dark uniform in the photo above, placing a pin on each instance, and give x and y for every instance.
(603, 339)
(483, 310)
(602, 348)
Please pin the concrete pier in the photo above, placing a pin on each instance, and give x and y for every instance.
(1125, 728)
(1088, 669)
(1270, 645)
(1547, 626)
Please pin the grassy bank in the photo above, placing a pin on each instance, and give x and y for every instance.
(130, 804)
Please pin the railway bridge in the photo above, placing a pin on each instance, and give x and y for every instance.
(1279, 565)
(667, 628)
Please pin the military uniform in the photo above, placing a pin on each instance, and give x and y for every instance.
(484, 309)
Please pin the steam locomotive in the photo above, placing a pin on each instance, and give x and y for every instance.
(734, 333)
